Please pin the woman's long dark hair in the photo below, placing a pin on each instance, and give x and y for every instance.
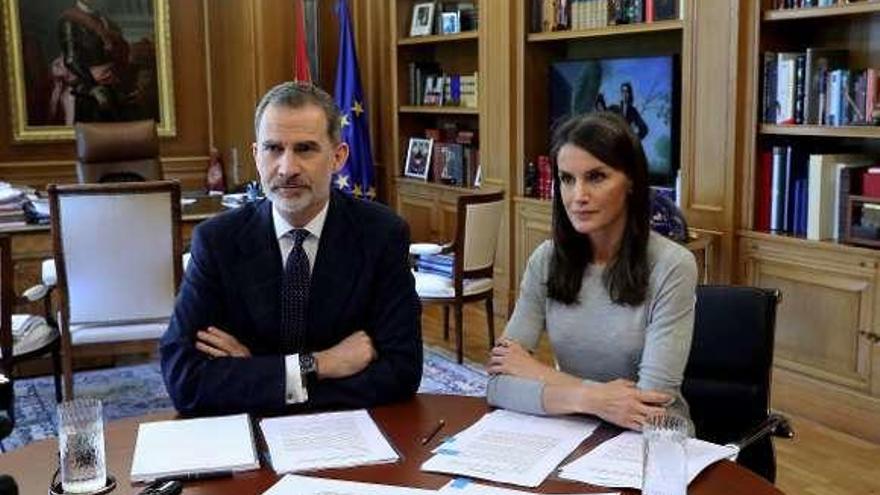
(606, 136)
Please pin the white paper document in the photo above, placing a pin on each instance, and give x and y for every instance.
(510, 447)
(193, 446)
(464, 486)
(326, 440)
(618, 462)
(292, 484)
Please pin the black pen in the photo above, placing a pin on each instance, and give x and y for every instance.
(207, 475)
(427, 438)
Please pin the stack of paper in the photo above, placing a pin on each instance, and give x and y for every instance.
(301, 485)
(193, 446)
(323, 441)
(464, 486)
(618, 462)
(510, 447)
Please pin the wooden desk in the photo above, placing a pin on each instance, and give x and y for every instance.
(31, 244)
(404, 423)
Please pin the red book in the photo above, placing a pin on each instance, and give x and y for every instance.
(649, 10)
(763, 185)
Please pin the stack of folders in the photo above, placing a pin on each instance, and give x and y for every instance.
(181, 448)
(510, 447)
(324, 441)
(618, 462)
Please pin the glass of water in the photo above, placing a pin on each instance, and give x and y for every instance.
(81, 445)
(664, 455)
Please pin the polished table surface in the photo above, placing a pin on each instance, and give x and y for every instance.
(404, 423)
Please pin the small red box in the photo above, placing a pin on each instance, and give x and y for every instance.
(871, 183)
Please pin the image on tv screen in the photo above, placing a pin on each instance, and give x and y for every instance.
(642, 89)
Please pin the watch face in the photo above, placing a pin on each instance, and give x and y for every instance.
(307, 363)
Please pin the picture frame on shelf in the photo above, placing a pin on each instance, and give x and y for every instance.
(450, 22)
(422, 19)
(418, 158)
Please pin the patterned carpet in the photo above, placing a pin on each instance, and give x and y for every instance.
(136, 390)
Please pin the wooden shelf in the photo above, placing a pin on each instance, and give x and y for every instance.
(649, 27)
(870, 132)
(533, 201)
(438, 38)
(792, 240)
(815, 12)
(451, 110)
(433, 185)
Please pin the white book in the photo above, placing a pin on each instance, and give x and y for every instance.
(785, 86)
(193, 446)
(328, 440)
(823, 193)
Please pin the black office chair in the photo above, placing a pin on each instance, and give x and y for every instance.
(728, 375)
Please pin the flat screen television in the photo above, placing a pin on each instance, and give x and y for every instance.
(643, 89)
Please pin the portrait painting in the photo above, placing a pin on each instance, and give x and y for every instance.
(87, 61)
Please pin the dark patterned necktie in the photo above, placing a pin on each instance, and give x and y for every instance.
(295, 293)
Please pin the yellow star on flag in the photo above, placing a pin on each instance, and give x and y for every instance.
(343, 121)
(358, 109)
(342, 182)
(357, 191)
(371, 193)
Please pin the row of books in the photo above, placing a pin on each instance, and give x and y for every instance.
(430, 85)
(806, 194)
(564, 15)
(801, 4)
(455, 156)
(815, 87)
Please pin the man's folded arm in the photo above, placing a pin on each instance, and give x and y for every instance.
(395, 329)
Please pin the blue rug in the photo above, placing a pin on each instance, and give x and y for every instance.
(136, 390)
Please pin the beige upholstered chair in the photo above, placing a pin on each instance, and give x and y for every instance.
(117, 152)
(24, 337)
(117, 255)
(476, 237)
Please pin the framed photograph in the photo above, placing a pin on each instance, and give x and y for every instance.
(87, 61)
(422, 19)
(450, 22)
(418, 156)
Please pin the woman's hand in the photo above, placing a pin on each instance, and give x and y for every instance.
(621, 403)
(508, 357)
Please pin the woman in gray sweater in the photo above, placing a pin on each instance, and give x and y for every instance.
(616, 300)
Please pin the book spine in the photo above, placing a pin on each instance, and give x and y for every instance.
(777, 195)
(800, 90)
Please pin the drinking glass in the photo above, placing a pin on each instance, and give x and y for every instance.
(664, 455)
(81, 445)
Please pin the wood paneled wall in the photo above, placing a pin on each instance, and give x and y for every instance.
(184, 156)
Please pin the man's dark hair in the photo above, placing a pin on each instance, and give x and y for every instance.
(295, 94)
(606, 136)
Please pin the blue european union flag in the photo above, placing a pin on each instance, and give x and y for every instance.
(356, 176)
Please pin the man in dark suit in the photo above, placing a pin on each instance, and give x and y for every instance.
(304, 300)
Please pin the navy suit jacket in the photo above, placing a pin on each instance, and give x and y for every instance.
(360, 281)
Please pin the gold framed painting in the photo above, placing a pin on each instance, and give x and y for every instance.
(87, 61)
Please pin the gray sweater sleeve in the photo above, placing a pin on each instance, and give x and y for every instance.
(525, 326)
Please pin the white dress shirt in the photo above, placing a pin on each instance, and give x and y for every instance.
(295, 389)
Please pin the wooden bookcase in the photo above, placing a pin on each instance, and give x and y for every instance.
(827, 356)
(536, 53)
(429, 207)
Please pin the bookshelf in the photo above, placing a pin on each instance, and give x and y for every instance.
(429, 205)
(827, 351)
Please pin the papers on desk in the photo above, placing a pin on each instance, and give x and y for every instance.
(327, 440)
(464, 486)
(510, 447)
(193, 446)
(302, 485)
(618, 462)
